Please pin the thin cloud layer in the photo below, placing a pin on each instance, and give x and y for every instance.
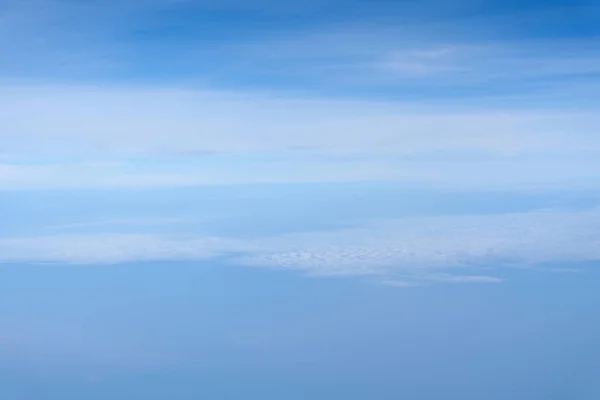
(416, 244)
(122, 94)
(113, 248)
(414, 250)
(62, 121)
(75, 136)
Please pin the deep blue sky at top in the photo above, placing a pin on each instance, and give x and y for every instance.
(227, 44)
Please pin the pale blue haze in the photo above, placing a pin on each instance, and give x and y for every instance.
(288, 200)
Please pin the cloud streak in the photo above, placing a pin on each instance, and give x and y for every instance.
(126, 136)
(131, 121)
(83, 103)
(415, 250)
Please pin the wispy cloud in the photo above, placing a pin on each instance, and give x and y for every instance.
(416, 250)
(421, 60)
(131, 222)
(416, 244)
(114, 248)
(470, 107)
(120, 134)
(440, 278)
(130, 121)
(426, 54)
(466, 279)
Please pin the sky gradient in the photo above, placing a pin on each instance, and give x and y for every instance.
(285, 200)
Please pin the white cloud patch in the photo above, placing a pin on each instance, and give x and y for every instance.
(130, 222)
(416, 250)
(526, 115)
(441, 278)
(467, 279)
(128, 136)
(422, 245)
(123, 121)
(153, 137)
(113, 248)
(226, 169)
(417, 56)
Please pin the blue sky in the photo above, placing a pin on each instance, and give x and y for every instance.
(281, 200)
(155, 93)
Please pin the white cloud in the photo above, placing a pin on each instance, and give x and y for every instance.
(416, 250)
(172, 137)
(128, 136)
(113, 248)
(59, 120)
(466, 279)
(225, 169)
(397, 283)
(422, 55)
(130, 222)
(121, 121)
(441, 278)
(424, 244)
(50, 38)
